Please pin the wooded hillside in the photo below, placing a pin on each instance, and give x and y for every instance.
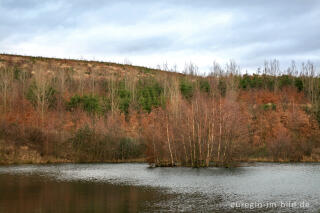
(57, 110)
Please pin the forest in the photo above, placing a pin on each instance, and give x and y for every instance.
(61, 110)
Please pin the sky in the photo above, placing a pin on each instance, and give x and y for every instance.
(158, 32)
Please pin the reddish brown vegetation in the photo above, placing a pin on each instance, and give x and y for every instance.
(67, 110)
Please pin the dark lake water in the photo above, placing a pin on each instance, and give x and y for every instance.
(261, 187)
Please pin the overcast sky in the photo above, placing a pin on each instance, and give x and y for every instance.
(152, 32)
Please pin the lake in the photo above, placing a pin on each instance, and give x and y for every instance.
(134, 187)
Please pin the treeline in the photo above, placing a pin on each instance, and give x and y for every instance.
(76, 111)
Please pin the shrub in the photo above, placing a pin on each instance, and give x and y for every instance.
(204, 85)
(74, 103)
(49, 97)
(149, 95)
(88, 103)
(91, 146)
(269, 81)
(36, 139)
(285, 80)
(128, 148)
(244, 81)
(222, 86)
(82, 142)
(16, 73)
(298, 84)
(124, 100)
(255, 81)
(186, 89)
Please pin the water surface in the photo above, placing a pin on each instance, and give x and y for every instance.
(261, 187)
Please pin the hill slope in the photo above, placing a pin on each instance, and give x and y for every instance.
(57, 110)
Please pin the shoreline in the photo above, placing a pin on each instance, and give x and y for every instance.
(233, 164)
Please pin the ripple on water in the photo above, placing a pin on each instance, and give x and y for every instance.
(204, 188)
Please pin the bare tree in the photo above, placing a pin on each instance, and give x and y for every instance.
(6, 81)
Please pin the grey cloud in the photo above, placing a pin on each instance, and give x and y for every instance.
(257, 30)
(130, 46)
